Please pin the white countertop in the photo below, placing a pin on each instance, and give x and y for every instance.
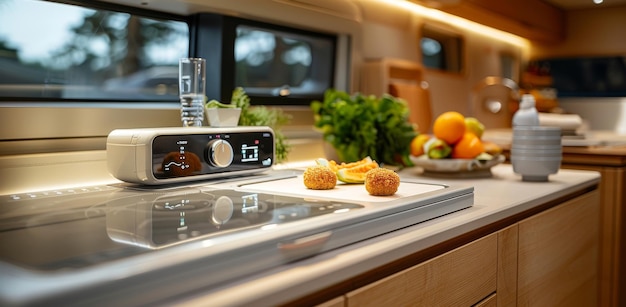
(496, 198)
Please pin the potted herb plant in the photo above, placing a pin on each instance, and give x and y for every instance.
(358, 126)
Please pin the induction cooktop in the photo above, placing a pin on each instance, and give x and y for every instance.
(91, 245)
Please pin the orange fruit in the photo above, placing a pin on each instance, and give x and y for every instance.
(449, 127)
(469, 147)
(417, 145)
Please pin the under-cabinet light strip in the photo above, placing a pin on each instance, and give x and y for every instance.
(461, 23)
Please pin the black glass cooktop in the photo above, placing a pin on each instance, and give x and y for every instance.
(63, 231)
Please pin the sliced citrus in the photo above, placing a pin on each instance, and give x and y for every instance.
(355, 174)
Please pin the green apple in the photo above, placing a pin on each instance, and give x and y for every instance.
(474, 126)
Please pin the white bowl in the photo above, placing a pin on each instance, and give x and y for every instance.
(537, 147)
(537, 152)
(536, 131)
(531, 158)
(536, 140)
(535, 169)
(223, 117)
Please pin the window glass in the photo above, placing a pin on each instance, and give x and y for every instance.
(59, 51)
(432, 53)
(276, 63)
(508, 66)
(441, 50)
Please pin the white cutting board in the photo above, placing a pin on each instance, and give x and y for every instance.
(342, 191)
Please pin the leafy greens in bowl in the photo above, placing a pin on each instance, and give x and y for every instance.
(358, 126)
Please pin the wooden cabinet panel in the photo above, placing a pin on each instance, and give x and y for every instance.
(612, 229)
(532, 19)
(507, 266)
(461, 277)
(491, 301)
(336, 302)
(558, 255)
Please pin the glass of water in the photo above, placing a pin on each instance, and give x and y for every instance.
(192, 87)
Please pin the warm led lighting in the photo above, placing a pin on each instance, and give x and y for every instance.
(268, 226)
(341, 210)
(598, 1)
(207, 243)
(461, 23)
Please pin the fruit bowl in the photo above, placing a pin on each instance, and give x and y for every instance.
(457, 167)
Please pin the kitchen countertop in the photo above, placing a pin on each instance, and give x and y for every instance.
(497, 198)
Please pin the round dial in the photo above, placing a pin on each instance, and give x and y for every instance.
(220, 153)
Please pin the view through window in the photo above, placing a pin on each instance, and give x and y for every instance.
(60, 51)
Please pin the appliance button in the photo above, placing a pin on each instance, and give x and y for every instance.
(220, 153)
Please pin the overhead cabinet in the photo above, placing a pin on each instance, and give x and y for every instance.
(532, 19)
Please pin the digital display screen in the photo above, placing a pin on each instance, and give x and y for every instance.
(189, 155)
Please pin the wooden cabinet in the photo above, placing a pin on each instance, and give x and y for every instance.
(491, 301)
(462, 277)
(558, 255)
(532, 19)
(547, 259)
(336, 302)
(611, 163)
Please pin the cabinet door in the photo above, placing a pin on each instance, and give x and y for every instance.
(336, 302)
(558, 255)
(491, 301)
(461, 277)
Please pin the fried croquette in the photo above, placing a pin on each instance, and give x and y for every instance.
(319, 178)
(381, 182)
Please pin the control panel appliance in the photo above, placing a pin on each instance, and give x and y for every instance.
(156, 156)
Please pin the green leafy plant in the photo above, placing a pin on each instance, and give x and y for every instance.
(259, 116)
(358, 126)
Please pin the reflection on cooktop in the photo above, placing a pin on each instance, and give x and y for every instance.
(156, 220)
(78, 231)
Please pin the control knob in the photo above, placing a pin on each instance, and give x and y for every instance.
(219, 153)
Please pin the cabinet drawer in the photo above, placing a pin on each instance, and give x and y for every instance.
(558, 255)
(461, 277)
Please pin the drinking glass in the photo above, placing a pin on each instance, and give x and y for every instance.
(192, 86)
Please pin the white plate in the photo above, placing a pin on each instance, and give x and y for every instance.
(457, 166)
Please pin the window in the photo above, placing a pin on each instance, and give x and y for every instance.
(276, 65)
(508, 66)
(273, 63)
(78, 53)
(441, 50)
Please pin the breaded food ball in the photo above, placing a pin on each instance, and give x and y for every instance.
(319, 178)
(381, 182)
